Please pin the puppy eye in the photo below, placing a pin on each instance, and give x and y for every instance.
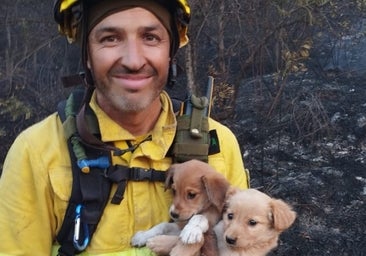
(191, 195)
(252, 222)
(230, 216)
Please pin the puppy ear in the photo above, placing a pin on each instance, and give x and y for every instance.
(231, 191)
(283, 215)
(216, 187)
(169, 177)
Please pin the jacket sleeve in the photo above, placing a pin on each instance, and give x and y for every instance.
(26, 218)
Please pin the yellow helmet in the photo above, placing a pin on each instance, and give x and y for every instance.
(68, 14)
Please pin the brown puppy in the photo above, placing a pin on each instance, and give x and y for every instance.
(197, 189)
(252, 222)
(198, 198)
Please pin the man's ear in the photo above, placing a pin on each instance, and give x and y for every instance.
(88, 63)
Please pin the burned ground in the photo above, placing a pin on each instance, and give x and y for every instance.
(321, 174)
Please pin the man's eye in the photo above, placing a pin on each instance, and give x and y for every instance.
(151, 38)
(108, 39)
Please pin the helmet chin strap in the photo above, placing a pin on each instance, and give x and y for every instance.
(172, 77)
(173, 72)
(88, 79)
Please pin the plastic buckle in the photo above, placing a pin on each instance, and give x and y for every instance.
(139, 174)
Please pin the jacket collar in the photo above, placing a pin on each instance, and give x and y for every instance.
(162, 134)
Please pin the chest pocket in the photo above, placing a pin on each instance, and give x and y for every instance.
(61, 182)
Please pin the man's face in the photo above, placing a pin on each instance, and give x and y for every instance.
(128, 55)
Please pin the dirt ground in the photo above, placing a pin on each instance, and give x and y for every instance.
(323, 176)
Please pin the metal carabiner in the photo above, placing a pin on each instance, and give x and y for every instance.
(77, 245)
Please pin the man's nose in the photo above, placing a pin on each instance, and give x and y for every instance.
(132, 55)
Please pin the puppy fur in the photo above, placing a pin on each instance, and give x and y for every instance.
(198, 199)
(252, 222)
(197, 189)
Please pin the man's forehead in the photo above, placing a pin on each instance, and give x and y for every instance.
(103, 9)
(120, 22)
(134, 16)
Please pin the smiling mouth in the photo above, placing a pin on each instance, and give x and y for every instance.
(136, 76)
(132, 82)
(132, 78)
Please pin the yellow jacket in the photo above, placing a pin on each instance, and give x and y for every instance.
(36, 184)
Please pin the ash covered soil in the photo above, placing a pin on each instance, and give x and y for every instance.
(310, 152)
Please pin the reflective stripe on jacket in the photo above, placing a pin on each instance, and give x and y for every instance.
(36, 184)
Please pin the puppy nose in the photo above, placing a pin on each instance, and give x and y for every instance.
(230, 240)
(174, 215)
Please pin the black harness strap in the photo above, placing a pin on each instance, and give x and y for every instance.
(89, 189)
(121, 174)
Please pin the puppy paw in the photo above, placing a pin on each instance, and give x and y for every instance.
(140, 239)
(193, 231)
(162, 244)
(186, 249)
(191, 236)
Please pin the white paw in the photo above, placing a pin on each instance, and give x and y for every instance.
(191, 236)
(193, 232)
(140, 238)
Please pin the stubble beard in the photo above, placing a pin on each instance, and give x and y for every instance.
(125, 103)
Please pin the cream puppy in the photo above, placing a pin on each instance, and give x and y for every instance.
(252, 222)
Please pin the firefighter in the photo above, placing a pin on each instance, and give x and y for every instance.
(127, 50)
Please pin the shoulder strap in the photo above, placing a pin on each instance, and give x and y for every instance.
(86, 202)
(85, 207)
(177, 104)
